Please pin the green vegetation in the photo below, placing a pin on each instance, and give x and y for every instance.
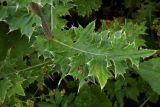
(79, 53)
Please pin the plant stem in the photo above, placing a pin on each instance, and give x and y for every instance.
(28, 68)
(51, 16)
(35, 66)
(37, 10)
(144, 102)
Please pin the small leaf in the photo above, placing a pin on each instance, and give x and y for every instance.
(19, 89)
(5, 84)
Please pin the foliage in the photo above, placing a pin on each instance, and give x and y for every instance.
(101, 64)
(149, 68)
(57, 98)
(131, 88)
(156, 26)
(85, 7)
(90, 96)
(90, 55)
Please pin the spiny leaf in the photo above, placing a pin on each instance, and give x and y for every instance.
(18, 44)
(60, 9)
(135, 32)
(78, 69)
(112, 49)
(16, 14)
(24, 22)
(98, 69)
(120, 67)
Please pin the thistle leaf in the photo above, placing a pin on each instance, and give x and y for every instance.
(86, 46)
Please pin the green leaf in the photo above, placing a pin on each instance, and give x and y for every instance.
(150, 71)
(68, 100)
(111, 50)
(24, 22)
(16, 89)
(5, 84)
(3, 40)
(120, 67)
(6, 11)
(60, 9)
(92, 96)
(135, 32)
(18, 44)
(99, 70)
(17, 5)
(58, 97)
(132, 93)
(85, 7)
(78, 69)
(19, 88)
